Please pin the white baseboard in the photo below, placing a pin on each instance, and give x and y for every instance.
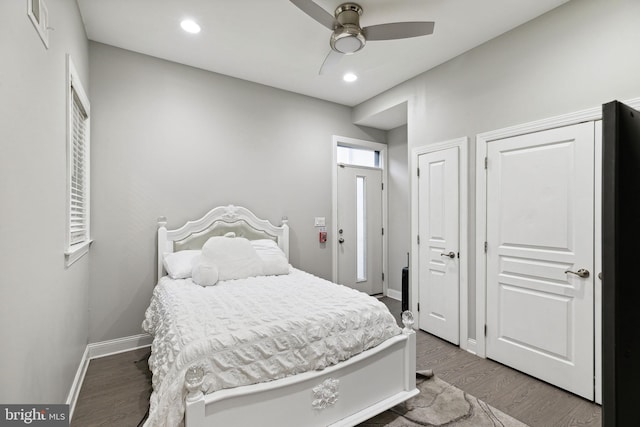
(119, 345)
(396, 295)
(72, 398)
(102, 349)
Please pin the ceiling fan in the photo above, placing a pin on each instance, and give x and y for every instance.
(348, 37)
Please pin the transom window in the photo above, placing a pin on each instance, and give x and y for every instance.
(358, 156)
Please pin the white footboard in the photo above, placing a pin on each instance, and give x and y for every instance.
(341, 395)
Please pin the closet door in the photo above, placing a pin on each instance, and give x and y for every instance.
(540, 243)
(439, 227)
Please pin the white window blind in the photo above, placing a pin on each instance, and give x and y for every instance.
(78, 237)
(78, 210)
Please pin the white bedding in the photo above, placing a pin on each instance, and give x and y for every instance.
(253, 330)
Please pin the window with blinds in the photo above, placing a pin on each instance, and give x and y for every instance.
(78, 218)
(78, 209)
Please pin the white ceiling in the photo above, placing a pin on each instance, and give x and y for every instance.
(274, 43)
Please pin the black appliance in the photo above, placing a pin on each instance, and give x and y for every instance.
(405, 286)
(620, 274)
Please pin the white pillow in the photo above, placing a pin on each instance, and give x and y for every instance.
(235, 258)
(179, 264)
(205, 272)
(274, 260)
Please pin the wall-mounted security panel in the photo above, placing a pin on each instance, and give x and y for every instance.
(39, 15)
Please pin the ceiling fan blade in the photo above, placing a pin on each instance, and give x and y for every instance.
(316, 12)
(330, 62)
(398, 30)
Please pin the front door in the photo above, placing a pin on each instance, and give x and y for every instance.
(540, 243)
(439, 229)
(359, 228)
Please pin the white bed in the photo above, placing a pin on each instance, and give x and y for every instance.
(291, 349)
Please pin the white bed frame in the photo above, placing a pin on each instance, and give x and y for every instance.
(344, 394)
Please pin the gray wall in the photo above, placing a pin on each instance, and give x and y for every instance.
(177, 141)
(43, 305)
(399, 214)
(578, 56)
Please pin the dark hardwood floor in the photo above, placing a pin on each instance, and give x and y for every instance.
(115, 391)
(525, 398)
(116, 388)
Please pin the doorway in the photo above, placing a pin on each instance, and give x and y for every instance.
(359, 215)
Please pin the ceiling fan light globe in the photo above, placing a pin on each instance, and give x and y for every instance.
(347, 45)
(347, 40)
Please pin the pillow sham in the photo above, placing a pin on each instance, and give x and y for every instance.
(274, 261)
(179, 264)
(235, 258)
(205, 272)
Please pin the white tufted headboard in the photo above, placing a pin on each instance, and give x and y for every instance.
(217, 222)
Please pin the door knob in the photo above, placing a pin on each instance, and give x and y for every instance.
(341, 240)
(450, 254)
(580, 273)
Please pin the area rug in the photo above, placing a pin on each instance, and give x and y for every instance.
(440, 404)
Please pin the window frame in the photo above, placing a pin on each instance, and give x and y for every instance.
(39, 15)
(75, 89)
(351, 150)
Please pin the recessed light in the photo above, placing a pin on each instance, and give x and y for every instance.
(349, 77)
(190, 26)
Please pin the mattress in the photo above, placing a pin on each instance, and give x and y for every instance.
(254, 330)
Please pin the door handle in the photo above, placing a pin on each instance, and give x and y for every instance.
(341, 240)
(580, 273)
(450, 254)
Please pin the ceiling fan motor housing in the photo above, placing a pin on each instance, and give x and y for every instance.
(347, 38)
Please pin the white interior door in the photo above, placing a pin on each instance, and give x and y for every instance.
(359, 229)
(439, 229)
(540, 203)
